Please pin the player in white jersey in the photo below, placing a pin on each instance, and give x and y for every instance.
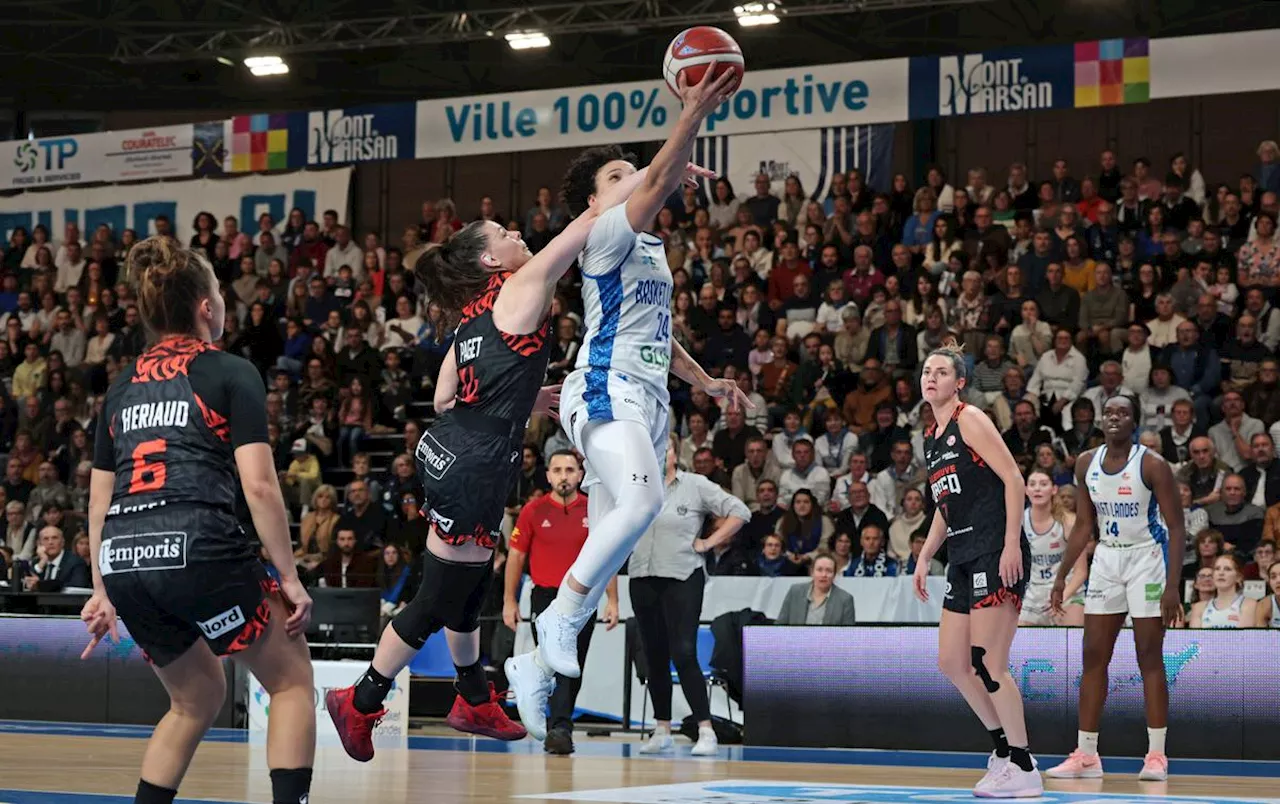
(1129, 491)
(1228, 608)
(614, 405)
(1046, 525)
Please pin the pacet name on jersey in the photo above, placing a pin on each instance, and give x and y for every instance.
(154, 414)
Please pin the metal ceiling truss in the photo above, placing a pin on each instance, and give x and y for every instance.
(190, 41)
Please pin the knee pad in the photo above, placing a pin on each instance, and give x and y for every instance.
(977, 656)
(450, 596)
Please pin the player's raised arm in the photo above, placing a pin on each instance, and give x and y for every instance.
(668, 166)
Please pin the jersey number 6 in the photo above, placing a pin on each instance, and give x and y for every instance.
(148, 466)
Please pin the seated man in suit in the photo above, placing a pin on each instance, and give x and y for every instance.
(346, 567)
(55, 567)
(819, 602)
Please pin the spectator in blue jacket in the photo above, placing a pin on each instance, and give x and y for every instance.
(1195, 367)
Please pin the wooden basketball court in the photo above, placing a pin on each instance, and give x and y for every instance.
(99, 765)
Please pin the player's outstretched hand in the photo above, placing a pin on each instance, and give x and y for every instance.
(702, 98)
(296, 598)
(728, 389)
(920, 581)
(1055, 598)
(548, 401)
(99, 618)
(692, 173)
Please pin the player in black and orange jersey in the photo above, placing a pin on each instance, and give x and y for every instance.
(979, 494)
(489, 385)
(169, 556)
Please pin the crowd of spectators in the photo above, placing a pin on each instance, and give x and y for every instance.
(1128, 279)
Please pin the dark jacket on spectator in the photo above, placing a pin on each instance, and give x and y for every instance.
(907, 348)
(362, 572)
(1059, 307)
(1271, 475)
(848, 522)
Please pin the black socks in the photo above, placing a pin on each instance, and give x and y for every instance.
(472, 684)
(1000, 742)
(1021, 757)
(149, 793)
(290, 785)
(371, 689)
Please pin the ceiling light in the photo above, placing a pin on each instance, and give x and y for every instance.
(527, 40)
(266, 65)
(753, 14)
(223, 60)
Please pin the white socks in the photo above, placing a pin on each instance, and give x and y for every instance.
(1088, 742)
(568, 602)
(1155, 740)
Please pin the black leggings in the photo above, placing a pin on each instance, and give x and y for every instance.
(667, 612)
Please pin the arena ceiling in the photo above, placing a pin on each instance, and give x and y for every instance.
(96, 55)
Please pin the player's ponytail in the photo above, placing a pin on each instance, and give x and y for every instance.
(171, 281)
(452, 272)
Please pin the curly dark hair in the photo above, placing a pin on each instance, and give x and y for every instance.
(452, 273)
(579, 182)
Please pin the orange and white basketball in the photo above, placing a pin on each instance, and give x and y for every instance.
(694, 49)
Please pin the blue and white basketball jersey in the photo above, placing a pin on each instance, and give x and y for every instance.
(1128, 515)
(626, 292)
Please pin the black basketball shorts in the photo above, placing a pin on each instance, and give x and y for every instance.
(467, 469)
(168, 601)
(976, 584)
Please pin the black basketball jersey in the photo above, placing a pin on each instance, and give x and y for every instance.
(967, 492)
(499, 374)
(171, 446)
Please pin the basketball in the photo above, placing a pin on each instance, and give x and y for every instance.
(694, 49)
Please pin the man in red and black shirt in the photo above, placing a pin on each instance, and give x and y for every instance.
(548, 534)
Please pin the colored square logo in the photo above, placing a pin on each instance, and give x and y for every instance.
(1153, 592)
(259, 142)
(1112, 72)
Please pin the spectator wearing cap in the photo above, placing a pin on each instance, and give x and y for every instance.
(1239, 521)
(1232, 435)
(804, 473)
(302, 478)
